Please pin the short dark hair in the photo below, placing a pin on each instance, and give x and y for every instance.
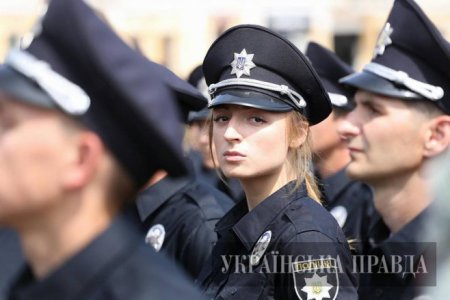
(427, 107)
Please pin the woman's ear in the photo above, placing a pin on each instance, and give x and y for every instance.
(85, 159)
(299, 137)
(437, 139)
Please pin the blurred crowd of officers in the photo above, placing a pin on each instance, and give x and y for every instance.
(267, 174)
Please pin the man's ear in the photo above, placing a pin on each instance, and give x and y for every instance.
(85, 160)
(437, 139)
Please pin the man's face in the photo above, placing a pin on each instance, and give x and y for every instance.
(200, 135)
(33, 146)
(325, 138)
(385, 137)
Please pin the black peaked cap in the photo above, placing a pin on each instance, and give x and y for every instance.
(133, 101)
(262, 55)
(409, 42)
(330, 69)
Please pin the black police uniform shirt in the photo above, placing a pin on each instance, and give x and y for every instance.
(183, 213)
(287, 247)
(402, 259)
(11, 259)
(351, 203)
(116, 265)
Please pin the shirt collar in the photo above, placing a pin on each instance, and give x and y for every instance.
(85, 268)
(250, 225)
(154, 196)
(411, 232)
(409, 241)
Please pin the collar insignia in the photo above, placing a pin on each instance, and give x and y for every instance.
(340, 214)
(260, 247)
(155, 236)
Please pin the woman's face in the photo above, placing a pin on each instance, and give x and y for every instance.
(250, 142)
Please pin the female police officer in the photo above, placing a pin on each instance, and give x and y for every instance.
(280, 243)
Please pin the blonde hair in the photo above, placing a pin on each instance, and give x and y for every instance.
(300, 159)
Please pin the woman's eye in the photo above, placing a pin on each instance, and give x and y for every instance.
(220, 119)
(257, 119)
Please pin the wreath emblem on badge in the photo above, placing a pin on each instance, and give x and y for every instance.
(316, 279)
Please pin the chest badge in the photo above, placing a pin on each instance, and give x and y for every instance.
(340, 214)
(155, 236)
(260, 247)
(242, 63)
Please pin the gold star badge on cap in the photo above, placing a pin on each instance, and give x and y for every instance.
(242, 63)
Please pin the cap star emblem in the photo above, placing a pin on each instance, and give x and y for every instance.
(242, 63)
(317, 287)
(384, 39)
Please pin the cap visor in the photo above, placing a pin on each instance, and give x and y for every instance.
(23, 89)
(250, 99)
(378, 85)
(198, 115)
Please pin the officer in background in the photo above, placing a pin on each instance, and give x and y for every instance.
(349, 201)
(400, 124)
(200, 146)
(11, 259)
(179, 214)
(439, 224)
(85, 121)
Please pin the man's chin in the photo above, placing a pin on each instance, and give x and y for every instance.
(355, 172)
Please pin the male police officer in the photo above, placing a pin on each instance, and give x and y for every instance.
(11, 259)
(81, 131)
(179, 214)
(401, 122)
(349, 201)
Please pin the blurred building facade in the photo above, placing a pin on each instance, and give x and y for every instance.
(178, 33)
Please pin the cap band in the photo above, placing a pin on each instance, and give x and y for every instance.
(426, 90)
(67, 95)
(282, 89)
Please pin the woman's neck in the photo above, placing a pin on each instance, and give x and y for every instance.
(259, 188)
